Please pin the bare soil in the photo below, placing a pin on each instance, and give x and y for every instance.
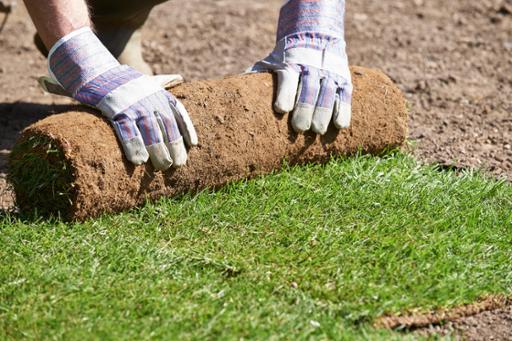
(487, 325)
(488, 319)
(451, 58)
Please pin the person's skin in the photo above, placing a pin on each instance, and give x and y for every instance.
(57, 18)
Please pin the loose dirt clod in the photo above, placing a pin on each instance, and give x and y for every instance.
(85, 173)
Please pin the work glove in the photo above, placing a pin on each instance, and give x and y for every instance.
(149, 121)
(311, 65)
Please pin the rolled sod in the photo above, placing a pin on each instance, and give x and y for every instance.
(72, 164)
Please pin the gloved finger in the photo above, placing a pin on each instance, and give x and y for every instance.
(183, 120)
(172, 137)
(287, 87)
(178, 152)
(131, 140)
(342, 114)
(153, 139)
(160, 156)
(309, 88)
(324, 106)
(142, 112)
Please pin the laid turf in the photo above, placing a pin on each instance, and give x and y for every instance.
(316, 251)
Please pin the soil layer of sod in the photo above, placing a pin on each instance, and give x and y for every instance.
(76, 164)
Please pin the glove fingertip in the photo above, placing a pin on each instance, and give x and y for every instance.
(284, 106)
(135, 151)
(319, 127)
(302, 117)
(159, 155)
(193, 139)
(343, 116)
(287, 88)
(131, 140)
(178, 153)
(188, 131)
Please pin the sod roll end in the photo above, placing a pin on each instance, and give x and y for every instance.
(72, 164)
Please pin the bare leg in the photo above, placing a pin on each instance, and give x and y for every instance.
(57, 18)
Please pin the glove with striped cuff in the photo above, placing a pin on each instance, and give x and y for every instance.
(149, 121)
(311, 65)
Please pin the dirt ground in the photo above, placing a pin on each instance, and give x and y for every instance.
(487, 319)
(487, 325)
(451, 58)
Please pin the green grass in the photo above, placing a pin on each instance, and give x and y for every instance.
(48, 188)
(316, 251)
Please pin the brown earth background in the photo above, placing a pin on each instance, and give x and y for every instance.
(453, 60)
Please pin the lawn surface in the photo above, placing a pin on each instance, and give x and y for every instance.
(312, 251)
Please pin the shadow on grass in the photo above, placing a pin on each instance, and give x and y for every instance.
(29, 217)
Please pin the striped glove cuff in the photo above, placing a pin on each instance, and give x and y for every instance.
(77, 59)
(311, 24)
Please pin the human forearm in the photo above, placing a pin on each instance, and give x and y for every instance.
(57, 18)
(150, 122)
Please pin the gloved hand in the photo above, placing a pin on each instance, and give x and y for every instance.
(148, 120)
(311, 65)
